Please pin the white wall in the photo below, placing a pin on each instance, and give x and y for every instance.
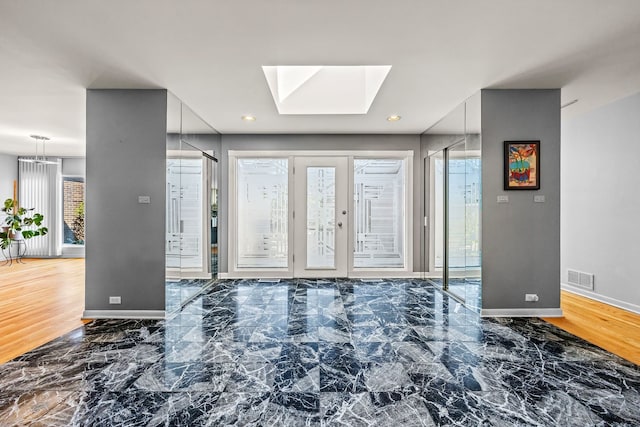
(8, 173)
(74, 166)
(601, 198)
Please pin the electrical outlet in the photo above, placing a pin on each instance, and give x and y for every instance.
(115, 300)
(531, 297)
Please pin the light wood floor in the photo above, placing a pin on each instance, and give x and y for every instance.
(39, 300)
(44, 299)
(608, 327)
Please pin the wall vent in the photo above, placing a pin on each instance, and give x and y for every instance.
(578, 278)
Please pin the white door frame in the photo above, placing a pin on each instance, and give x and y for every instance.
(341, 223)
(288, 272)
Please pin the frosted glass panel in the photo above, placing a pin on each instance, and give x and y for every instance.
(437, 205)
(321, 206)
(472, 208)
(184, 213)
(262, 193)
(456, 213)
(379, 213)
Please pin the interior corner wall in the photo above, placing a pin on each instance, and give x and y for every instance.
(600, 233)
(319, 142)
(126, 149)
(520, 239)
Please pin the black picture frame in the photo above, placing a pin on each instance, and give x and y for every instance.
(519, 172)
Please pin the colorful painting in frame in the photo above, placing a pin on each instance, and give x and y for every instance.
(522, 165)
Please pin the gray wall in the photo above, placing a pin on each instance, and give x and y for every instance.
(319, 142)
(600, 196)
(126, 146)
(8, 173)
(521, 239)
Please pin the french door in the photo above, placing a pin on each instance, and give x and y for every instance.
(320, 216)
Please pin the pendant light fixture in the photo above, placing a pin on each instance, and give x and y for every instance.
(39, 159)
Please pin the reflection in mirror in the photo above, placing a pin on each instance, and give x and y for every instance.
(453, 202)
(436, 216)
(456, 220)
(473, 204)
(191, 192)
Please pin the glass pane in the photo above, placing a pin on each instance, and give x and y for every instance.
(172, 249)
(191, 195)
(456, 219)
(262, 199)
(473, 208)
(321, 207)
(214, 218)
(436, 217)
(437, 191)
(73, 205)
(379, 213)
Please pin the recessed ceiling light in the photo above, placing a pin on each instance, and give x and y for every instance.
(394, 118)
(249, 118)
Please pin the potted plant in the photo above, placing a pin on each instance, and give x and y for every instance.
(20, 224)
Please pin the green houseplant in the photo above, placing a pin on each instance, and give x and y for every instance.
(20, 222)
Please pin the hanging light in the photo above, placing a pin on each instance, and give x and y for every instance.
(39, 159)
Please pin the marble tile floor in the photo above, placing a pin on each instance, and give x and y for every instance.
(178, 292)
(319, 353)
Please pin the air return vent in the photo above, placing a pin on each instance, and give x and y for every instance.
(578, 278)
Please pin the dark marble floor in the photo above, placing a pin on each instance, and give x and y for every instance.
(179, 292)
(345, 353)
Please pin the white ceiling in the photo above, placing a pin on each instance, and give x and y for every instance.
(209, 53)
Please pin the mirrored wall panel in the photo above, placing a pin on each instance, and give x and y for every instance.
(453, 198)
(191, 187)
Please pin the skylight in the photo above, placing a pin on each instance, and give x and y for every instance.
(320, 89)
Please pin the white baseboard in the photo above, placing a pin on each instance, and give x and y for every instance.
(123, 314)
(521, 312)
(602, 298)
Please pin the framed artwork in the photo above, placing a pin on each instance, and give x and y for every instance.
(522, 165)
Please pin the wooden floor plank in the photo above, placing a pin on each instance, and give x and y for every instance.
(604, 325)
(40, 300)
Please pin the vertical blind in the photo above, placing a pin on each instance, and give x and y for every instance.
(39, 188)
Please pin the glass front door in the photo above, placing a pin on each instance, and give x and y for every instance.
(317, 215)
(320, 217)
